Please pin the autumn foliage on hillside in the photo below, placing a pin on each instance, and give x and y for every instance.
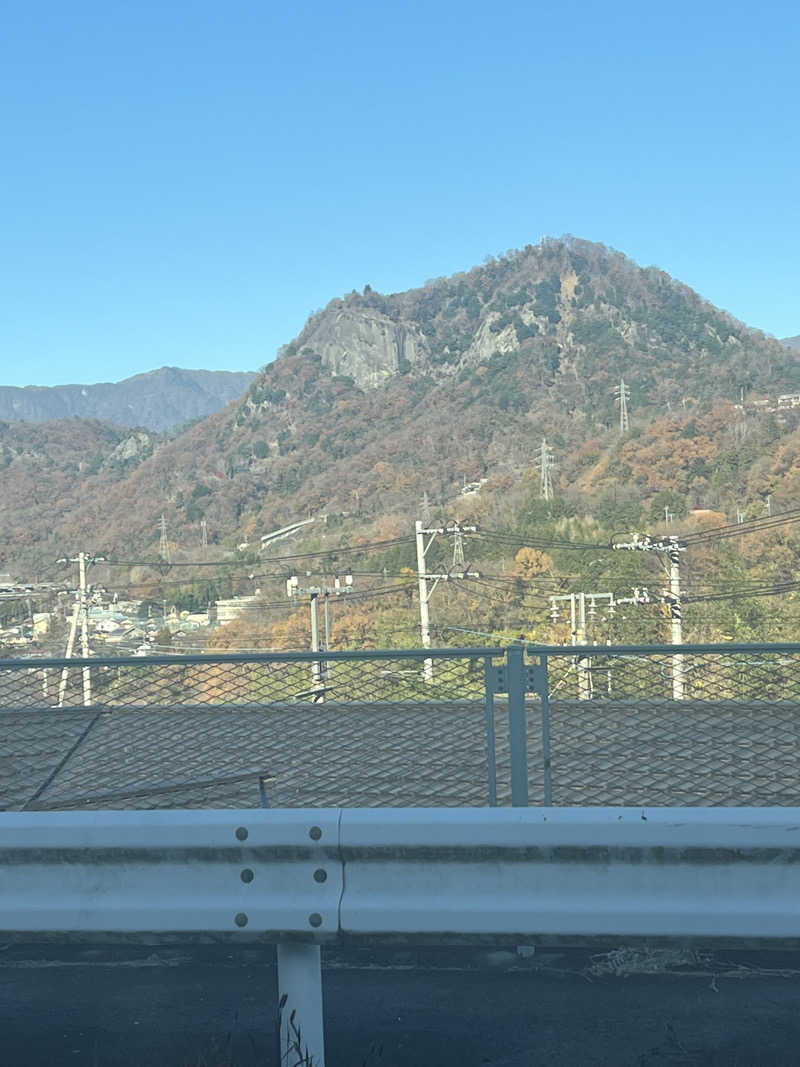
(528, 346)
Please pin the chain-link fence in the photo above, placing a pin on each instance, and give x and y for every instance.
(695, 725)
(352, 729)
(239, 681)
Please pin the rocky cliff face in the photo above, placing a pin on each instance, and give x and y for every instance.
(576, 314)
(364, 344)
(159, 400)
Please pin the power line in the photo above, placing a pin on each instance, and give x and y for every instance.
(508, 537)
(344, 550)
(774, 590)
(735, 529)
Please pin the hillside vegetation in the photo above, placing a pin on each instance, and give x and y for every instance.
(383, 398)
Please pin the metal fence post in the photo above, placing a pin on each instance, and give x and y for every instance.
(300, 1009)
(491, 754)
(517, 727)
(544, 694)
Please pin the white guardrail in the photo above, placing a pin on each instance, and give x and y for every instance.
(303, 877)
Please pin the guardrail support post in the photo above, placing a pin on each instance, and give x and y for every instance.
(302, 1038)
(517, 727)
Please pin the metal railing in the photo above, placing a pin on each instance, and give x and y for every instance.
(592, 725)
(414, 876)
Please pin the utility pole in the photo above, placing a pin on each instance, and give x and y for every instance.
(204, 536)
(73, 629)
(163, 544)
(423, 578)
(584, 663)
(327, 612)
(316, 666)
(578, 613)
(546, 464)
(320, 672)
(623, 394)
(424, 614)
(672, 596)
(86, 672)
(676, 624)
(80, 613)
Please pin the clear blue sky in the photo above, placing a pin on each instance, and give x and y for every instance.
(182, 183)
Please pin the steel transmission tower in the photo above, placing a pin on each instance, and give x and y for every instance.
(163, 544)
(623, 394)
(546, 464)
(426, 509)
(458, 548)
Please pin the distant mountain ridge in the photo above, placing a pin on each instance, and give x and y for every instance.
(158, 400)
(791, 342)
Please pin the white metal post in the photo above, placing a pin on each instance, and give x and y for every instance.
(87, 671)
(676, 624)
(424, 618)
(73, 629)
(302, 1035)
(584, 684)
(316, 667)
(327, 615)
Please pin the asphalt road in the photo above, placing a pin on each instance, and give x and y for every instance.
(209, 1007)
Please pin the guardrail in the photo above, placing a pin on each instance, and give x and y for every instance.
(303, 878)
(689, 724)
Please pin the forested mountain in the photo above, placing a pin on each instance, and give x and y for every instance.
(48, 471)
(158, 400)
(382, 399)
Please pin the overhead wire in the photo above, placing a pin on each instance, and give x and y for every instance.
(508, 537)
(342, 550)
(738, 529)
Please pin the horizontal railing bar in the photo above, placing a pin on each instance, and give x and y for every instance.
(252, 657)
(659, 650)
(416, 873)
(728, 648)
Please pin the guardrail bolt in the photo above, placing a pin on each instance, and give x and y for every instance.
(241, 833)
(314, 918)
(315, 833)
(241, 919)
(247, 875)
(320, 875)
